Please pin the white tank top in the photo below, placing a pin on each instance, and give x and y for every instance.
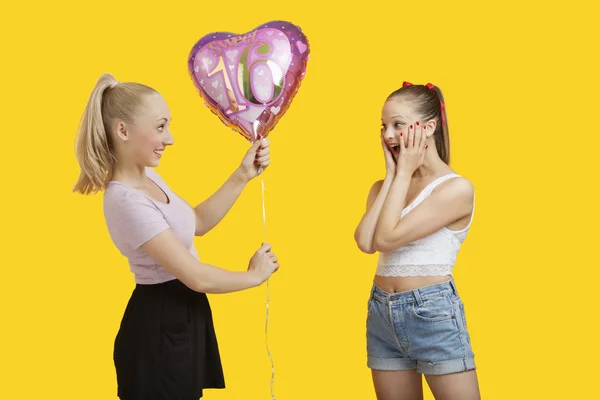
(433, 255)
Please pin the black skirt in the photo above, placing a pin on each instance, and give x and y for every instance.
(166, 347)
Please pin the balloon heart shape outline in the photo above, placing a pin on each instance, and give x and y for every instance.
(249, 80)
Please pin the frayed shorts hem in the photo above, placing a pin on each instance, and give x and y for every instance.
(422, 367)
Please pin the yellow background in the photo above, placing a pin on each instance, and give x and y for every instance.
(521, 89)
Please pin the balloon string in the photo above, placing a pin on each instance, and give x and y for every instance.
(268, 296)
(262, 182)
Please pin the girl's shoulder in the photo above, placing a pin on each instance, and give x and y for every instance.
(454, 185)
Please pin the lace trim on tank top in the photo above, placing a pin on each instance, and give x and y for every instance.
(414, 270)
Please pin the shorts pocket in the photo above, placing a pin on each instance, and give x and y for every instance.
(370, 306)
(176, 358)
(433, 309)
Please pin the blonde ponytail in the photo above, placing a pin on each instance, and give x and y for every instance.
(109, 100)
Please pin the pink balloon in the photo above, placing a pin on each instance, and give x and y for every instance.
(249, 80)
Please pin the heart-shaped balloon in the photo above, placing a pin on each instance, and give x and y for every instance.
(249, 80)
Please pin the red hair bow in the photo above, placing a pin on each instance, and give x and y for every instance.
(431, 87)
(442, 106)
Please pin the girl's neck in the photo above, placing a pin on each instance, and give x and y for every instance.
(432, 166)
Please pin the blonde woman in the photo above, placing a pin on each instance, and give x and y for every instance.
(166, 347)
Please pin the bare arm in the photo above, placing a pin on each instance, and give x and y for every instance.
(365, 232)
(211, 211)
(166, 249)
(448, 203)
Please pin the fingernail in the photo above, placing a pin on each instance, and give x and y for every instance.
(424, 127)
(417, 123)
(400, 133)
(411, 127)
(426, 146)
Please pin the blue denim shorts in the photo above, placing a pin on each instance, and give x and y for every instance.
(423, 329)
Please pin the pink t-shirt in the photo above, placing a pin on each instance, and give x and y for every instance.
(133, 218)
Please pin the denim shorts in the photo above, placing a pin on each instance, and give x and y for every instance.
(423, 329)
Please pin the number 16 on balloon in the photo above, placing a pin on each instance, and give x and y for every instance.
(250, 80)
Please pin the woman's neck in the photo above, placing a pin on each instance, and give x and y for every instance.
(133, 175)
(432, 165)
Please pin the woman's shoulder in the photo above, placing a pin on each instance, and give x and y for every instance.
(456, 186)
(461, 182)
(119, 197)
(116, 190)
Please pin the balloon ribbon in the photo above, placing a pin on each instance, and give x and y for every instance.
(267, 316)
